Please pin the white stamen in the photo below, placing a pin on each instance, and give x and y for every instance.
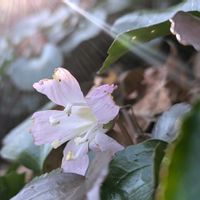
(56, 75)
(55, 144)
(53, 121)
(68, 109)
(70, 155)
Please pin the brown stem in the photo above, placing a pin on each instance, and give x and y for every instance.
(135, 123)
(132, 121)
(126, 135)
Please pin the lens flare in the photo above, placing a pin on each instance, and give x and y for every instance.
(144, 51)
(13, 10)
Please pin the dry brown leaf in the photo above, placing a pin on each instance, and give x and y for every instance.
(178, 75)
(131, 83)
(109, 79)
(162, 86)
(156, 100)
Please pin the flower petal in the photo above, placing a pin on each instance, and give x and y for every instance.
(56, 127)
(63, 89)
(102, 104)
(102, 142)
(75, 159)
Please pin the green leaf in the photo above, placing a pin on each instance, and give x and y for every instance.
(180, 174)
(10, 184)
(18, 146)
(53, 186)
(66, 186)
(133, 171)
(131, 39)
(142, 27)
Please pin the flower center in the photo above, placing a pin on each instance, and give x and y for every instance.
(88, 135)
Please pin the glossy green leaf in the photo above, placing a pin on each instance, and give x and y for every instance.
(132, 39)
(66, 186)
(180, 174)
(133, 171)
(10, 184)
(141, 27)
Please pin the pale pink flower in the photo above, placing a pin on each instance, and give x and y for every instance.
(81, 122)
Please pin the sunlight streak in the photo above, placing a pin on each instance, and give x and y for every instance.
(144, 51)
(102, 25)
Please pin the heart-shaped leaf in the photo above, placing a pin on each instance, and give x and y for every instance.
(53, 186)
(66, 186)
(133, 172)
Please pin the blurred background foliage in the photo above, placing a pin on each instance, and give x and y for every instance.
(38, 36)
